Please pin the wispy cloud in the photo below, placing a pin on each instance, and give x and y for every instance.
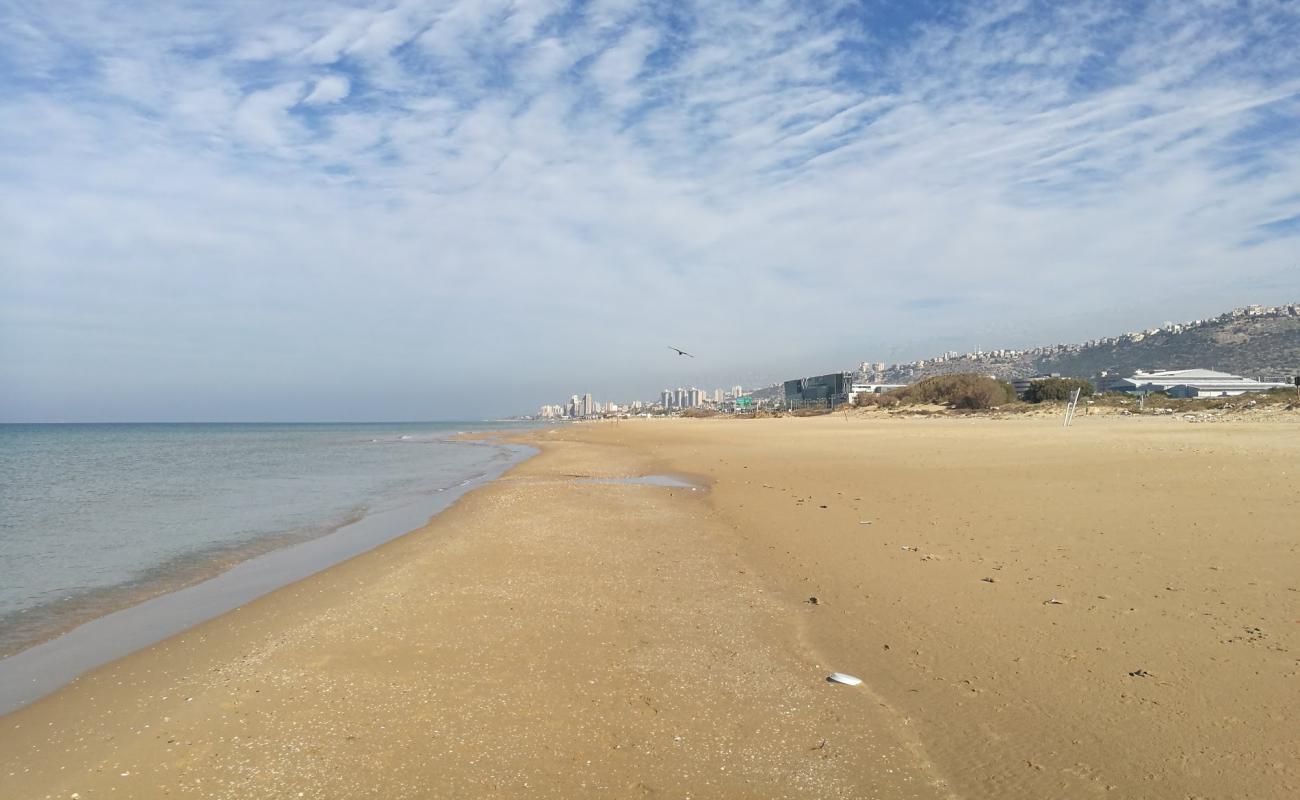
(423, 196)
(329, 89)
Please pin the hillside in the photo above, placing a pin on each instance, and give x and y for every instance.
(1256, 341)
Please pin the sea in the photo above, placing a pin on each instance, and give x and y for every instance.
(95, 518)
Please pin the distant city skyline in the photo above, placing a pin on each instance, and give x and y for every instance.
(291, 211)
(677, 399)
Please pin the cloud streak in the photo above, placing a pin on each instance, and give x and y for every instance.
(330, 89)
(424, 196)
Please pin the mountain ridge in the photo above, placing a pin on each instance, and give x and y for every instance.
(1255, 341)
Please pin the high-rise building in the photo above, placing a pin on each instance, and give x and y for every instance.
(737, 391)
(666, 398)
(679, 398)
(588, 407)
(717, 395)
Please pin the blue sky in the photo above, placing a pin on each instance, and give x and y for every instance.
(412, 210)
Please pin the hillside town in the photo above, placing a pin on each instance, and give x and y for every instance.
(1013, 363)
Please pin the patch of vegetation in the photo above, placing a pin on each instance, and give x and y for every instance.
(1057, 389)
(1241, 402)
(810, 411)
(699, 413)
(961, 390)
(887, 400)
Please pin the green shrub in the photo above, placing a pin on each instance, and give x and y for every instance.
(964, 390)
(869, 399)
(886, 400)
(1057, 389)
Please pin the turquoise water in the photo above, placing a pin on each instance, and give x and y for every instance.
(96, 517)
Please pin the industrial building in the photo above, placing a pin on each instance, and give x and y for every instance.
(1189, 383)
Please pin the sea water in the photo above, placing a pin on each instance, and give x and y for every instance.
(94, 518)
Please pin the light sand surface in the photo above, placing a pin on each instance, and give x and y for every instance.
(553, 638)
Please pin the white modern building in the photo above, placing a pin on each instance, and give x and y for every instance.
(872, 388)
(1190, 383)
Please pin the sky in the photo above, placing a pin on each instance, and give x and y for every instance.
(458, 209)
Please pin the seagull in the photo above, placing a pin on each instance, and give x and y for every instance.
(680, 352)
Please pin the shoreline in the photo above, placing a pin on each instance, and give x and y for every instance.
(52, 608)
(148, 611)
(52, 620)
(557, 633)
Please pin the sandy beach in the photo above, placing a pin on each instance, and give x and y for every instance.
(1110, 610)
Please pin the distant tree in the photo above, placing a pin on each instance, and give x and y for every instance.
(1057, 389)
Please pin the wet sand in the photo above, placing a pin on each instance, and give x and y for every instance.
(51, 663)
(550, 636)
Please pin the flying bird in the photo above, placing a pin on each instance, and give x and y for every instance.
(680, 352)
